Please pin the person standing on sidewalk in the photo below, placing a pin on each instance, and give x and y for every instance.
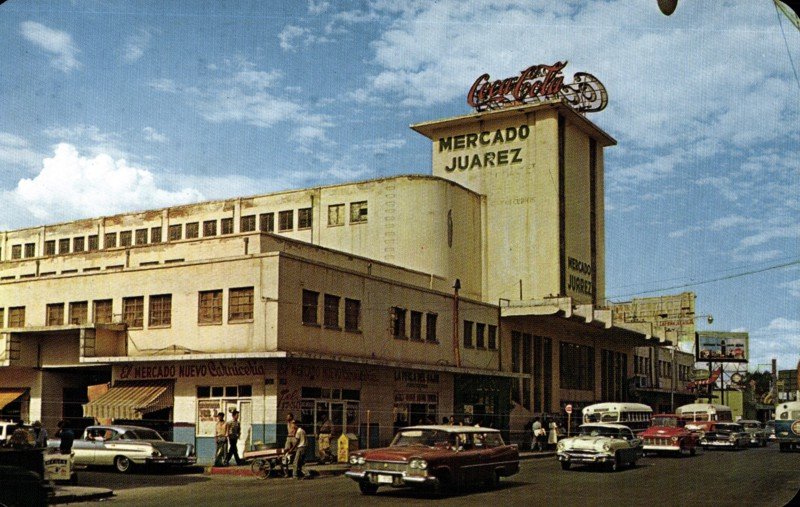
(233, 431)
(300, 451)
(221, 439)
(552, 435)
(537, 437)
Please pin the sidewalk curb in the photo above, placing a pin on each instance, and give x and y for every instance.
(71, 494)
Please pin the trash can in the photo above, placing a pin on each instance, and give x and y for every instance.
(345, 444)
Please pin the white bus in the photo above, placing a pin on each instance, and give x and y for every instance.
(698, 415)
(635, 416)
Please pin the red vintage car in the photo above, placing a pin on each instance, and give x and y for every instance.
(442, 458)
(668, 434)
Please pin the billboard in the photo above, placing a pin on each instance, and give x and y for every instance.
(720, 347)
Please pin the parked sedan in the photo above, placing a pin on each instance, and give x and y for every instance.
(758, 434)
(126, 446)
(438, 457)
(609, 445)
(725, 435)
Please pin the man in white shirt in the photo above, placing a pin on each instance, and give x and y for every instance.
(300, 450)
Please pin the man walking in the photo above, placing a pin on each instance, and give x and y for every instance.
(300, 451)
(221, 439)
(234, 430)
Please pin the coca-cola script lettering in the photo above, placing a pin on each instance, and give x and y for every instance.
(535, 84)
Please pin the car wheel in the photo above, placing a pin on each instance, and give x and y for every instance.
(615, 465)
(123, 464)
(565, 465)
(261, 468)
(693, 451)
(763, 443)
(367, 488)
(493, 480)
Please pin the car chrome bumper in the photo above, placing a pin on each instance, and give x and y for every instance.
(584, 458)
(718, 444)
(397, 478)
(662, 448)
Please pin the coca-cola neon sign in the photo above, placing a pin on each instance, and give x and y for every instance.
(538, 83)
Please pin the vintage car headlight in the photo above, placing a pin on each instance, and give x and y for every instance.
(561, 446)
(156, 453)
(674, 440)
(357, 460)
(418, 463)
(732, 438)
(606, 446)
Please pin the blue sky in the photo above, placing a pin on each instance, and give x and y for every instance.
(118, 106)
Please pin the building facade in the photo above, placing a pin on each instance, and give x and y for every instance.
(476, 292)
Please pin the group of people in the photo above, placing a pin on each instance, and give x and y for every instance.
(36, 437)
(226, 435)
(544, 433)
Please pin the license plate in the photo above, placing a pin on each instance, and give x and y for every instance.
(384, 479)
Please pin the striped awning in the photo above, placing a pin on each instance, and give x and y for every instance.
(131, 400)
(9, 395)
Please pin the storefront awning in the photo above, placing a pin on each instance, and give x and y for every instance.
(130, 400)
(9, 395)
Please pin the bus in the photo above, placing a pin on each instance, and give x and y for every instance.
(635, 416)
(787, 425)
(699, 415)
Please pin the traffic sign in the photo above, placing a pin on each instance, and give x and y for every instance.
(568, 409)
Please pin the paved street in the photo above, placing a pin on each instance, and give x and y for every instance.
(753, 477)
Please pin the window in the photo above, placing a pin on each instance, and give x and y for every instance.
(155, 235)
(209, 307)
(125, 238)
(209, 228)
(30, 250)
(141, 236)
(430, 327)
(576, 366)
(516, 346)
(240, 304)
(480, 335)
(226, 226)
(2, 317)
(468, 334)
(50, 247)
(310, 304)
(94, 242)
(304, 218)
(247, 223)
(78, 244)
(133, 311)
(55, 314)
(335, 215)
(331, 318)
(352, 314)
(192, 230)
(102, 311)
(492, 337)
(527, 344)
(16, 251)
(416, 325)
(266, 222)
(358, 212)
(176, 232)
(16, 316)
(286, 220)
(79, 312)
(110, 240)
(398, 322)
(63, 246)
(160, 311)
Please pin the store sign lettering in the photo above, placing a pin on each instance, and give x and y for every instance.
(417, 377)
(536, 84)
(576, 282)
(484, 139)
(327, 373)
(207, 369)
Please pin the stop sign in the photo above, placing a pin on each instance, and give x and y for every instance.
(568, 409)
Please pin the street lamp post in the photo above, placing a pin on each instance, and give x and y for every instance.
(678, 334)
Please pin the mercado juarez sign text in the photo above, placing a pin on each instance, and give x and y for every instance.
(538, 83)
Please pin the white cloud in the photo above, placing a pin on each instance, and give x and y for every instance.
(16, 151)
(71, 185)
(59, 44)
(153, 135)
(793, 286)
(135, 45)
(164, 85)
(289, 36)
(780, 340)
(317, 7)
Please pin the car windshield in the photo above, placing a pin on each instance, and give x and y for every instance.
(672, 422)
(728, 427)
(430, 438)
(141, 434)
(599, 431)
(751, 425)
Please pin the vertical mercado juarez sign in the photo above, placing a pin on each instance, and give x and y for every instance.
(538, 83)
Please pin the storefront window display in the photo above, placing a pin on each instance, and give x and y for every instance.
(415, 408)
(340, 406)
(214, 399)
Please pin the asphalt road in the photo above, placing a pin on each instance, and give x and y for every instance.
(719, 478)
